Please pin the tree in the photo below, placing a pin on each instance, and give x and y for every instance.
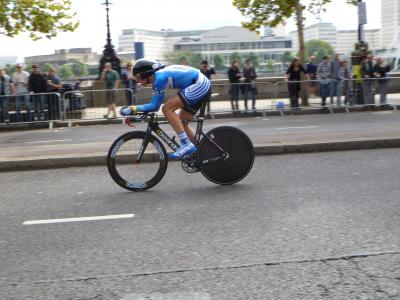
(236, 56)
(46, 67)
(79, 69)
(270, 66)
(287, 57)
(37, 17)
(318, 48)
(253, 58)
(65, 72)
(218, 62)
(273, 12)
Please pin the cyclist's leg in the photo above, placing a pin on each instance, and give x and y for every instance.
(169, 108)
(185, 117)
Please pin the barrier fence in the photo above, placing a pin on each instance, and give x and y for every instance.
(280, 96)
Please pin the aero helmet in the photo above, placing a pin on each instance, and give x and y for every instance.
(146, 68)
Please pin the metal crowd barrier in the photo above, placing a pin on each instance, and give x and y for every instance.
(28, 108)
(93, 104)
(346, 95)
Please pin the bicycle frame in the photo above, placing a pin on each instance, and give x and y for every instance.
(154, 126)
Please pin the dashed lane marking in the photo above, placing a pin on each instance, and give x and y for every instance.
(81, 219)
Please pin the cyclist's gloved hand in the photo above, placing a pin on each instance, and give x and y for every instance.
(128, 110)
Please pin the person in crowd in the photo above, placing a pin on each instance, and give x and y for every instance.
(53, 86)
(367, 71)
(6, 89)
(130, 83)
(183, 62)
(311, 69)
(293, 76)
(20, 80)
(37, 85)
(210, 74)
(324, 77)
(344, 80)
(334, 87)
(249, 86)
(193, 89)
(111, 79)
(234, 76)
(380, 72)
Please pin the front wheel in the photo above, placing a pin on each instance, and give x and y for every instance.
(236, 165)
(137, 161)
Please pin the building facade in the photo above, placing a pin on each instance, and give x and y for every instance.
(390, 20)
(347, 38)
(65, 56)
(321, 31)
(156, 43)
(222, 41)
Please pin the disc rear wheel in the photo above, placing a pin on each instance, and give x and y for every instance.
(236, 165)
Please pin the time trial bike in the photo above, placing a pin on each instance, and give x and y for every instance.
(137, 160)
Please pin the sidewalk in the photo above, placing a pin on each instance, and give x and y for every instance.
(88, 146)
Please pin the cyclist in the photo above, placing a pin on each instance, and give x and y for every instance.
(193, 89)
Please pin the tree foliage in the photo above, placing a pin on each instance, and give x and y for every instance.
(39, 18)
(287, 57)
(318, 48)
(218, 62)
(65, 72)
(79, 69)
(273, 12)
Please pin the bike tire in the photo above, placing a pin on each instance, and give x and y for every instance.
(124, 168)
(241, 155)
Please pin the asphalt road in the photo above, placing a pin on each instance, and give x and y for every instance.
(303, 226)
(271, 130)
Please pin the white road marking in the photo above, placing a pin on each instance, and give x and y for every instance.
(299, 127)
(95, 218)
(49, 141)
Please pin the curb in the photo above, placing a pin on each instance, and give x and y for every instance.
(100, 159)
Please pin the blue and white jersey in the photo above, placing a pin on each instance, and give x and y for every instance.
(190, 81)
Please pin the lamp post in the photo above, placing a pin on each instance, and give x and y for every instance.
(109, 54)
(360, 52)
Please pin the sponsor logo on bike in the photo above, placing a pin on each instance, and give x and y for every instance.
(166, 139)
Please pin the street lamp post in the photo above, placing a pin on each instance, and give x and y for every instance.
(360, 51)
(109, 54)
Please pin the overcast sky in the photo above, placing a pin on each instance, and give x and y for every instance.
(157, 14)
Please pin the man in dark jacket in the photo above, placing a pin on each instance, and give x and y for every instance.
(249, 86)
(37, 85)
(234, 76)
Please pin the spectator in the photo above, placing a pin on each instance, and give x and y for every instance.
(367, 71)
(5, 92)
(249, 86)
(130, 84)
(210, 74)
(37, 85)
(293, 74)
(20, 81)
(53, 86)
(380, 72)
(234, 76)
(344, 78)
(324, 77)
(111, 79)
(333, 87)
(311, 69)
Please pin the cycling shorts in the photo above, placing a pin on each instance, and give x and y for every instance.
(195, 94)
